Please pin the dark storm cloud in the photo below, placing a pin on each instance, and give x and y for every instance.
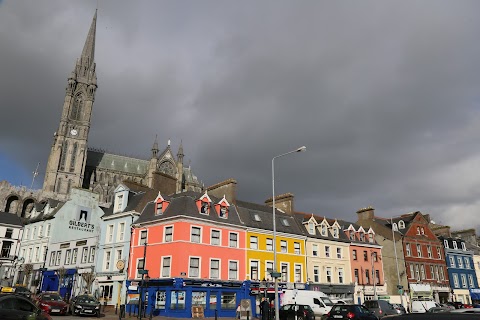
(383, 94)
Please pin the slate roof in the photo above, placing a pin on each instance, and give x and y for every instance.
(305, 217)
(183, 204)
(138, 197)
(248, 212)
(10, 219)
(46, 216)
(115, 162)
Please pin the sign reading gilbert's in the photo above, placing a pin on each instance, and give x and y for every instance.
(83, 221)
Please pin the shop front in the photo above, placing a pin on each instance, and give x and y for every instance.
(51, 282)
(336, 291)
(475, 296)
(108, 288)
(177, 297)
(462, 295)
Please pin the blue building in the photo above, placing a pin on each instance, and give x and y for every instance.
(114, 244)
(461, 269)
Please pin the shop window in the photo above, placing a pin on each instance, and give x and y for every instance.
(177, 301)
(160, 299)
(213, 300)
(199, 298)
(229, 301)
(106, 292)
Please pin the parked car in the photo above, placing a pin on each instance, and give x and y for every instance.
(303, 312)
(456, 304)
(467, 306)
(439, 309)
(18, 290)
(381, 308)
(15, 306)
(400, 308)
(51, 302)
(85, 304)
(351, 312)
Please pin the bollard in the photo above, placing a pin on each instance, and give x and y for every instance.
(248, 314)
(116, 307)
(216, 314)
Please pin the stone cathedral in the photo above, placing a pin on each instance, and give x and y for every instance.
(72, 164)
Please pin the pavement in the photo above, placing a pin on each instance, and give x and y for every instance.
(110, 314)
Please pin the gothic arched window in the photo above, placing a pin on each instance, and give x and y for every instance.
(74, 156)
(63, 156)
(77, 106)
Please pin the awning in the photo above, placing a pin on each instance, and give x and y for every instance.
(475, 294)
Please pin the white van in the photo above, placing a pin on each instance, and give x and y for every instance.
(318, 301)
(422, 305)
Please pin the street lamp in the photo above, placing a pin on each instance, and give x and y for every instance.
(275, 273)
(399, 285)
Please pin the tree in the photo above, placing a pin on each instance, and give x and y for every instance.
(27, 271)
(61, 273)
(88, 277)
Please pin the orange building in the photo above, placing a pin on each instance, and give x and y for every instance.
(193, 247)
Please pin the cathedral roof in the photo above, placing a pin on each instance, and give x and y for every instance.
(108, 161)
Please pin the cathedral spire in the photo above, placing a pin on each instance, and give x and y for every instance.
(88, 52)
(155, 148)
(180, 152)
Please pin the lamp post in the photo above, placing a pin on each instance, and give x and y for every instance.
(275, 273)
(143, 272)
(399, 286)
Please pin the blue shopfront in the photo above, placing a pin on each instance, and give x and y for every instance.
(176, 297)
(51, 282)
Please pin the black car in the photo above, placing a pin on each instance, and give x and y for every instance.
(350, 312)
(302, 311)
(86, 305)
(15, 306)
(18, 290)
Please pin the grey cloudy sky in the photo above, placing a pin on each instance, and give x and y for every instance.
(384, 94)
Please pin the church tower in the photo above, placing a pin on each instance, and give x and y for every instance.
(67, 159)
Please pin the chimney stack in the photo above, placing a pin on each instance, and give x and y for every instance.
(283, 202)
(367, 213)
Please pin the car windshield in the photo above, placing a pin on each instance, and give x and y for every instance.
(51, 297)
(340, 309)
(86, 299)
(328, 302)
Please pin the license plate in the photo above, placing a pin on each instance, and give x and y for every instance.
(88, 311)
(55, 310)
(337, 316)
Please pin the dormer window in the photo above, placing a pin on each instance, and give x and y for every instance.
(455, 245)
(324, 230)
(422, 231)
(335, 232)
(119, 201)
(204, 203)
(370, 237)
(159, 208)
(362, 236)
(160, 205)
(311, 228)
(401, 224)
(418, 230)
(256, 217)
(222, 208)
(204, 208)
(464, 248)
(285, 222)
(445, 243)
(223, 212)
(352, 235)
